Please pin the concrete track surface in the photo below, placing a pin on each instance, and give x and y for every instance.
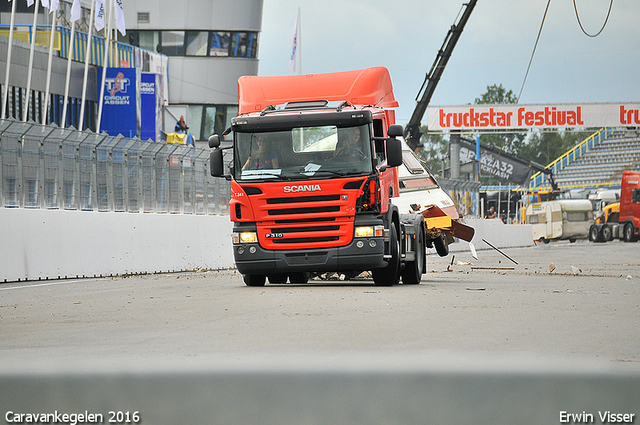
(478, 341)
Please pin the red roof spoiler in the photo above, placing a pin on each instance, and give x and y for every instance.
(371, 86)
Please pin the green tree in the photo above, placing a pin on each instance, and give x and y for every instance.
(545, 147)
(509, 142)
(434, 149)
(497, 95)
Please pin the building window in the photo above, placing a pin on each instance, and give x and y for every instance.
(243, 45)
(205, 120)
(240, 44)
(219, 43)
(197, 43)
(172, 43)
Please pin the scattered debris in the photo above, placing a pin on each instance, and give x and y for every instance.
(629, 277)
(575, 270)
(552, 267)
(464, 263)
(474, 253)
(476, 289)
(512, 260)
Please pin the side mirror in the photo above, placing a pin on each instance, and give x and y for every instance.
(394, 151)
(216, 164)
(395, 130)
(214, 141)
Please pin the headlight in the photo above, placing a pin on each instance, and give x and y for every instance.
(364, 232)
(245, 237)
(368, 231)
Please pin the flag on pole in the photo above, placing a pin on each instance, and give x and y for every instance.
(99, 18)
(76, 10)
(45, 3)
(29, 2)
(54, 5)
(294, 47)
(120, 17)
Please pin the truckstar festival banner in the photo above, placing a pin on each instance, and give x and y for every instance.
(512, 116)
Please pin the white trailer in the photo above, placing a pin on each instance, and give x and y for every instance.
(560, 219)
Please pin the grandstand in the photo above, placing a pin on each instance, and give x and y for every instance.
(598, 161)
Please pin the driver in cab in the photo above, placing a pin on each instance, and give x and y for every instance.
(349, 145)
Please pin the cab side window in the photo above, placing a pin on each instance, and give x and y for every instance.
(378, 131)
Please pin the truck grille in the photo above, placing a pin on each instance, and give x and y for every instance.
(295, 222)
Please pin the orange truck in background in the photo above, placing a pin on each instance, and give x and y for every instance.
(313, 171)
(621, 220)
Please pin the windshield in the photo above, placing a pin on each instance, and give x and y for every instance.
(303, 153)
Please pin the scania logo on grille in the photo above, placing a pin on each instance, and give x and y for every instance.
(302, 188)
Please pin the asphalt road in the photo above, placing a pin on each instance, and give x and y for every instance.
(574, 301)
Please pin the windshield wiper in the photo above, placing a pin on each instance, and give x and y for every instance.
(336, 173)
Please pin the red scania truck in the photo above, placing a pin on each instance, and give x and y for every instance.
(314, 167)
(625, 224)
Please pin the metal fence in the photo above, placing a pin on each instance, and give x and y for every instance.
(53, 168)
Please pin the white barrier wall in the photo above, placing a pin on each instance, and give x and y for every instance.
(50, 244)
(497, 234)
(38, 244)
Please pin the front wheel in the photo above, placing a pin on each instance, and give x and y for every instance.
(594, 234)
(254, 279)
(389, 275)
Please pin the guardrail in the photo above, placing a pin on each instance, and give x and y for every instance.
(52, 168)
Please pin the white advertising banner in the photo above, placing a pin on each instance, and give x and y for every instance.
(511, 116)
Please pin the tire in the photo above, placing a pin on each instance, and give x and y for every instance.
(594, 234)
(442, 247)
(299, 278)
(389, 275)
(254, 279)
(628, 233)
(412, 273)
(277, 278)
(607, 235)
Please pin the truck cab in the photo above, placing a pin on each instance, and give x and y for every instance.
(312, 180)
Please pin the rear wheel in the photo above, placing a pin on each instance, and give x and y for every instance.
(628, 233)
(413, 270)
(254, 279)
(389, 275)
(606, 233)
(301, 277)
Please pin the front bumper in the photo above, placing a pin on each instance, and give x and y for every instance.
(360, 254)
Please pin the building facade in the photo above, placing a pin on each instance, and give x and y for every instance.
(210, 43)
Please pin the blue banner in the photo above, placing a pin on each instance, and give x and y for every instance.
(121, 97)
(151, 107)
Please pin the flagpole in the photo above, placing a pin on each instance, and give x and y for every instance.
(299, 41)
(34, 28)
(66, 87)
(8, 67)
(48, 84)
(107, 40)
(86, 65)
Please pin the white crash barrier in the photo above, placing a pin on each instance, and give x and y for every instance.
(497, 233)
(38, 244)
